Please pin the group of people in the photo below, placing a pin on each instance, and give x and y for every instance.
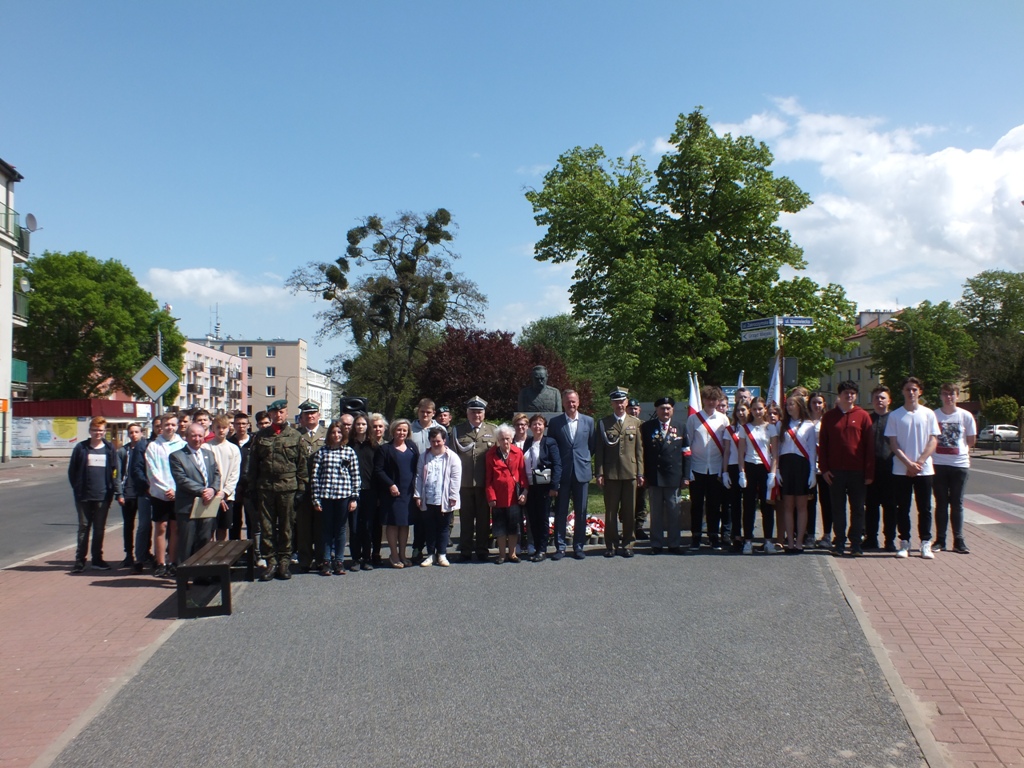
(303, 492)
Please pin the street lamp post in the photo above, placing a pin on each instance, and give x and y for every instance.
(910, 330)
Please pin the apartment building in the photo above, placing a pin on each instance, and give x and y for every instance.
(14, 249)
(856, 363)
(275, 369)
(213, 379)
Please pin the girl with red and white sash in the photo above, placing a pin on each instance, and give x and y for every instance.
(761, 443)
(796, 468)
(733, 474)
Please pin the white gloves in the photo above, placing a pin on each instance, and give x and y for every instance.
(812, 479)
(726, 480)
(769, 486)
(743, 479)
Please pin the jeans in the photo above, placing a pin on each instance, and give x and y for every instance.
(361, 533)
(845, 485)
(949, 500)
(144, 530)
(92, 516)
(334, 518)
(921, 488)
(754, 494)
(881, 503)
(436, 525)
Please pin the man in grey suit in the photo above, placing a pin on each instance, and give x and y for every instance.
(195, 476)
(575, 435)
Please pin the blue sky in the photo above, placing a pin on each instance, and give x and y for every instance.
(215, 147)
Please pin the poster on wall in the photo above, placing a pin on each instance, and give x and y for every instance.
(21, 437)
(56, 434)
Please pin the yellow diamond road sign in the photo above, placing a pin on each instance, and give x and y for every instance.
(154, 378)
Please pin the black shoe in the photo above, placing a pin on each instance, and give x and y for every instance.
(100, 565)
(611, 552)
(716, 546)
(128, 562)
(577, 554)
(160, 571)
(364, 566)
(325, 569)
(856, 552)
(838, 551)
(558, 554)
(138, 568)
(627, 552)
(539, 557)
(284, 571)
(268, 573)
(960, 546)
(870, 545)
(695, 545)
(639, 535)
(675, 550)
(655, 550)
(78, 567)
(890, 546)
(939, 545)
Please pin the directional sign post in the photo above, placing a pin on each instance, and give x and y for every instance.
(798, 322)
(763, 333)
(155, 378)
(763, 322)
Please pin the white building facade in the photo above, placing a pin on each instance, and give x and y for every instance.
(14, 249)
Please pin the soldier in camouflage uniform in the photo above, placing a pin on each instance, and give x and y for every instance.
(307, 519)
(278, 474)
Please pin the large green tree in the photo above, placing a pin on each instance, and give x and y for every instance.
(399, 304)
(993, 303)
(929, 341)
(91, 327)
(668, 264)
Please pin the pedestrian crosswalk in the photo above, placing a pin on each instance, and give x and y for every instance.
(985, 509)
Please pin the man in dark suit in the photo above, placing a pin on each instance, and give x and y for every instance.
(666, 460)
(575, 435)
(195, 476)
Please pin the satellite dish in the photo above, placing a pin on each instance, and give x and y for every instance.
(25, 285)
(30, 222)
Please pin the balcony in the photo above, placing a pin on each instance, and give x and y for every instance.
(20, 314)
(236, 394)
(217, 391)
(197, 365)
(19, 375)
(217, 370)
(195, 389)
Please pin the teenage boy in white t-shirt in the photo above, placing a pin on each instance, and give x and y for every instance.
(913, 433)
(957, 435)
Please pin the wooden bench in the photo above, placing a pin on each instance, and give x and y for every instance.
(213, 560)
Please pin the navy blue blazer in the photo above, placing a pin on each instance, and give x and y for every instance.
(575, 454)
(548, 457)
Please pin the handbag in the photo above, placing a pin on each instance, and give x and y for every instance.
(542, 476)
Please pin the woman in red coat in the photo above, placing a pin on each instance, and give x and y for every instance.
(505, 486)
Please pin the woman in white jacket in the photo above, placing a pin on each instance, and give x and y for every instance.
(438, 479)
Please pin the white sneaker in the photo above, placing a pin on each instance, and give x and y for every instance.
(427, 561)
(770, 548)
(748, 547)
(926, 550)
(904, 550)
(443, 561)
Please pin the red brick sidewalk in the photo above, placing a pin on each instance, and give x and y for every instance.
(953, 628)
(67, 643)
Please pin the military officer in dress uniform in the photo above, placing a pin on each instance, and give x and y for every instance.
(472, 439)
(619, 465)
(278, 474)
(633, 409)
(307, 519)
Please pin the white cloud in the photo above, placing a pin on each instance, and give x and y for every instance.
(895, 223)
(534, 170)
(208, 284)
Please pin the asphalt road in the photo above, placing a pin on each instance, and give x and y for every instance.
(710, 660)
(37, 512)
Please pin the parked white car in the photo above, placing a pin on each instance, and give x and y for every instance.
(999, 432)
